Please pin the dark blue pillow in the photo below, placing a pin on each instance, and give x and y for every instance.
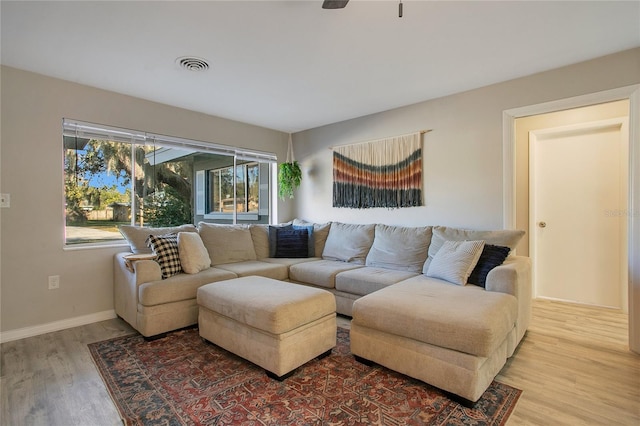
(273, 238)
(491, 257)
(292, 243)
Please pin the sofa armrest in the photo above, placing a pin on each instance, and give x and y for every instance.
(126, 284)
(514, 277)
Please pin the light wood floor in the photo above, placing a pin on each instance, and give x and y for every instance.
(573, 366)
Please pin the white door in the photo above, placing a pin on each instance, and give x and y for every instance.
(578, 190)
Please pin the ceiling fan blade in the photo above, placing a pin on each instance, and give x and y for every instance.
(334, 4)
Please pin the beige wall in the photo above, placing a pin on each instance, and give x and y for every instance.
(463, 164)
(32, 230)
(544, 121)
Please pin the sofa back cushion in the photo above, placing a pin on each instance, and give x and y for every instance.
(400, 248)
(348, 242)
(137, 236)
(260, 237)
(503, 237)
(227, 243)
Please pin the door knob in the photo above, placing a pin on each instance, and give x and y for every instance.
(542, 224)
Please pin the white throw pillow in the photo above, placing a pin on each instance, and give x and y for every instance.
(194, 256)
(455, 261)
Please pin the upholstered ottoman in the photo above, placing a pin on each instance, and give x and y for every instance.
(276, 325)
(452, 337)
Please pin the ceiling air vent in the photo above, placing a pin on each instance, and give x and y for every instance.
(193, 63)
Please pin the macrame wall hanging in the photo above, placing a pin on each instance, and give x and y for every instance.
(381, 173)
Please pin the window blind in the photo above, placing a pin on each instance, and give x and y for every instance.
(74, 130)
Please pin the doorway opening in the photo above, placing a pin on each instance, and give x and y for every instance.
(516, 171)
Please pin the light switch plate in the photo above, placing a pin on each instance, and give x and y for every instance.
(5, 201)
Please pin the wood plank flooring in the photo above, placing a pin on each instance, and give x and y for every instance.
(573, 366)
(51, 379)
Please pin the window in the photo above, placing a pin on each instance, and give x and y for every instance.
(247, 198)
(116, 176)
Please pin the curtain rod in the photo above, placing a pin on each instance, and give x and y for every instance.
(422, 132)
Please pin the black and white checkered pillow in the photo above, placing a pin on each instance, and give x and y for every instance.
(165, 247)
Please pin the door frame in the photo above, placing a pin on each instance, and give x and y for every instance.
(632, 93)
(619, 123)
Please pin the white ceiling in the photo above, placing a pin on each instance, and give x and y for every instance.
(290, 65)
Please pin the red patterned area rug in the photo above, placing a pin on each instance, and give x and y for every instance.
(183, 380)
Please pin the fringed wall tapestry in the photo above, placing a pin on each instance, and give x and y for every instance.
(382, 173)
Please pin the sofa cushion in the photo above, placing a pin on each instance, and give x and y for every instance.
(366, 280)
(467, 319)
(503, 237)
(455, 261)
(348, 242)
(257, 267)
(320, 233)
(491, 257)
(260, 237)
(165, 247)
(137, 236)
(321, 273)
(400, 248)
(179, 287)
(227, 243)
(194, 256)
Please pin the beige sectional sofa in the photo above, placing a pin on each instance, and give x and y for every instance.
(388, 278)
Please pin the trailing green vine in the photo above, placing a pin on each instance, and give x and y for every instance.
(289, 177)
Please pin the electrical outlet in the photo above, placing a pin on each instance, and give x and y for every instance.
(5, 201)
(54, 282)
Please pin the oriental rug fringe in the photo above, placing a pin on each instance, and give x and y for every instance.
(183, 380)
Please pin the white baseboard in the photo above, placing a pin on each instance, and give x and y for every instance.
(575, 302)
(36, 330)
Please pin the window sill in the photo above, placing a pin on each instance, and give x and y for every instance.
(92, 246)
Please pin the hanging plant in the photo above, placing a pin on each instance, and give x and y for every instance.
(289, 177)
(289, 174)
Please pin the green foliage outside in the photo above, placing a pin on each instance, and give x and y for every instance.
(166, 209)
(172, 179)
